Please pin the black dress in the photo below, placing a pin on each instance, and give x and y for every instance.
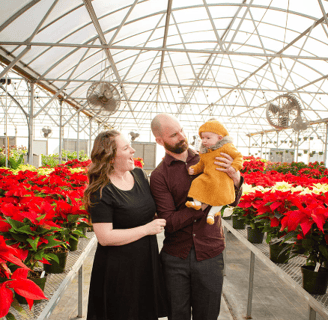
(126, 281)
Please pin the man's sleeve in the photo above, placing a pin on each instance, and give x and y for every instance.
(165, 207)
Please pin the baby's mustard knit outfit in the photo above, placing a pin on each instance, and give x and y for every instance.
(214, 187)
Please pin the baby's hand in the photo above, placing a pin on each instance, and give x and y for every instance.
(191, 171)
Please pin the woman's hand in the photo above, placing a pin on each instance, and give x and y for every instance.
(226, 162)
(156, 226)
(191, 171)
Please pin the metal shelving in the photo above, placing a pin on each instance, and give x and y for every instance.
(289, 272)
(57, 283)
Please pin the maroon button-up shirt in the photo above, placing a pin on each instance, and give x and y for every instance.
(170, 183)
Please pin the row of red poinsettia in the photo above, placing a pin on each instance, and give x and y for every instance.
(291, 206)
(37, 212)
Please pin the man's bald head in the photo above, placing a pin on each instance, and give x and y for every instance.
(160, 122)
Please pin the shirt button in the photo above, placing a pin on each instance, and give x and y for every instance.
(195, 220)
(194, 235)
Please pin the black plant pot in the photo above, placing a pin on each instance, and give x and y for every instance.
(254, 235)
(55, 267)
(275, 252)
(73, 243)
(238, 223)
(315, 282)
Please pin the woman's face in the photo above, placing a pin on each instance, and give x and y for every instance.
(124, 154)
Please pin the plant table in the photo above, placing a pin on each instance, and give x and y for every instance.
(57, 283)
(290, 273)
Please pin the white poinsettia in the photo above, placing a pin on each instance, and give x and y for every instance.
(306, 191)
(319, 188)
(298, 188)
(247, 188)
(282, 185)
(227, 211)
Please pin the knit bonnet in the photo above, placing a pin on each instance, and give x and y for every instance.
(215, 127)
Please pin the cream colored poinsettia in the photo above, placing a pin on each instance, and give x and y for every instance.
(320, 187)
(282, 186)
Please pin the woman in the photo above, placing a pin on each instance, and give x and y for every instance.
(126, 280)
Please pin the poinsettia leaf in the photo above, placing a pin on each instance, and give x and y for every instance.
(25, 229)
(324, 251)
(19, 237)
(51, 243)
(34, 243)
(10, 316)
(52, 256)
(6, 298)
(11, 258)
(73, 218)
(290, 235)
(14, 223)
(27, 289)
(16, 305)
(41, 217)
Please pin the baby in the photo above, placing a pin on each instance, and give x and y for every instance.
(213, 187)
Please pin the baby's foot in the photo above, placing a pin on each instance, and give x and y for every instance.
(191, 204)
(210, 220)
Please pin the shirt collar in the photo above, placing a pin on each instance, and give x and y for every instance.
(168, 159)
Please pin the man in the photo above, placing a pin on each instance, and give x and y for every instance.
(192, 250)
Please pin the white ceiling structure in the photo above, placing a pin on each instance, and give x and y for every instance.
(195, 59)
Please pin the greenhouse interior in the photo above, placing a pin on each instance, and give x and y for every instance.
(70, 70)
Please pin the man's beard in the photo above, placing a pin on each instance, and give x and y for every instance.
(177, 148)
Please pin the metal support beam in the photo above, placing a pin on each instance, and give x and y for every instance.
(78, 136)
(12, 63)
(60, 129)
(250, 286)
(167, 24)
(80, 293)
(31, 125)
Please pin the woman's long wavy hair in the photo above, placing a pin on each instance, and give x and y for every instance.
(102, 161)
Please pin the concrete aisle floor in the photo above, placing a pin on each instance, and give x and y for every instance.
(272, 299)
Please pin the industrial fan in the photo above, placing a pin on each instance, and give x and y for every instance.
(103, 98)
(46, 132)
(134, 135)
(285, 112)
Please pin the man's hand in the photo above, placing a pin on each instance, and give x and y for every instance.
(226, 162)
(191, 171)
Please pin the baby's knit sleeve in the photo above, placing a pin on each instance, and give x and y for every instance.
(237, 162)
(198, 167)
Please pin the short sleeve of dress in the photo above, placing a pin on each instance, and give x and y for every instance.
(102, 209)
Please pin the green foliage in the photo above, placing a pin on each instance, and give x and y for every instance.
(52, 160)
(284, 167)
(16, 157)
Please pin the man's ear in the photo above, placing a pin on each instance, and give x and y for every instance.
(160, 141)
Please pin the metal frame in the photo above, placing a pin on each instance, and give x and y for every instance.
(260, 251)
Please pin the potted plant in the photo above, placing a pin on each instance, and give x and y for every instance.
(14, 281)
(249, 204)
(308, 229)
(28, 227)
(237, 220)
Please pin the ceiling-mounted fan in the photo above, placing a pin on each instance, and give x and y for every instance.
(134, 135)
(46, 132)
(285, 112)
(103, 98)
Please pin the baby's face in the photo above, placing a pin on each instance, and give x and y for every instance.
(210, 138)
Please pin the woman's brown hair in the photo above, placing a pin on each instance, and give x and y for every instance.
(102, 159)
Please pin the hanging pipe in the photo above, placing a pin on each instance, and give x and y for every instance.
(78, 136)
(60, 129)
(31, 125)
(325, 154)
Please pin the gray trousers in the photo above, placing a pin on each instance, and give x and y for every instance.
(193, 287)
